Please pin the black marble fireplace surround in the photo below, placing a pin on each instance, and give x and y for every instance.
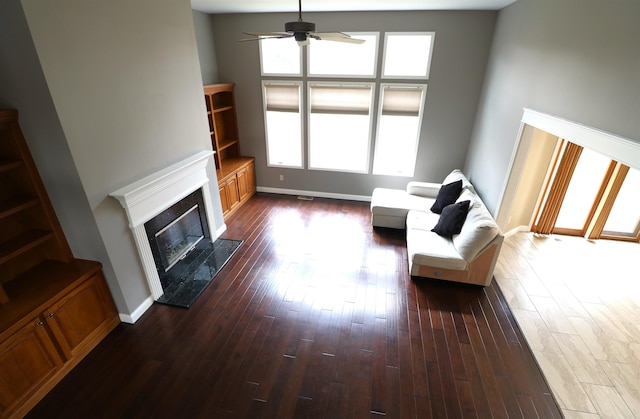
(185, 257)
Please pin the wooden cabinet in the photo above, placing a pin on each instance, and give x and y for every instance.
(236, 173)
(236, 185)
(80, 316)
(53, 308)
(28, 359)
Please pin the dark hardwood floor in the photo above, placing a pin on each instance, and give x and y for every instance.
(315, 316)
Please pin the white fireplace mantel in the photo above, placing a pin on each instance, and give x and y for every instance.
(147, 197)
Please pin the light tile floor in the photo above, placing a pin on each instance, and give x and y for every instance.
(578, 304)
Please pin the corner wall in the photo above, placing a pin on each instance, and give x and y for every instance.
(203, 25)
(574, 59)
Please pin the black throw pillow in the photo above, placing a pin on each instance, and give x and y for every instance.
(447, 195)
(452, 219)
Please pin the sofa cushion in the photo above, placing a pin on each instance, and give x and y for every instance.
(396, 202)
(476, 233)
(425, 189)
(456, 174)
(452, 219)
(425, 247)
(447, 195)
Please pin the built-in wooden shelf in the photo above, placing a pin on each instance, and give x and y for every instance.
(15, 205)
(236, 173)
(8, 165)
(23, 243)
(53, 308)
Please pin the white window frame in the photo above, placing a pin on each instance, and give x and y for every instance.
(407, 77)
(347, 76)
(372, 86)
(300, 85)
(420, 117)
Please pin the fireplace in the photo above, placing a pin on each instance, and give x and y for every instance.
(178, 187)
(176, 231)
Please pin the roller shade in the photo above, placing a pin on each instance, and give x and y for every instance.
(402, 101)
(340, 99)
(282, 98)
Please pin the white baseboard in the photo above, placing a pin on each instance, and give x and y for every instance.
(315, 194)
(138, 312)
(221, 230)
(516, 230)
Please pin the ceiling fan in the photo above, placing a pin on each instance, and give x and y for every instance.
(302, 32)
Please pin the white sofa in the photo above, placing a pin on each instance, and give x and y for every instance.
(467, 257)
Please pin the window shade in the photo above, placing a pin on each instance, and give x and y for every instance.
(282, 98)
(401, 101)
(336, 99)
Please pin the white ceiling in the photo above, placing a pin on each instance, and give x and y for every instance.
(262, 6)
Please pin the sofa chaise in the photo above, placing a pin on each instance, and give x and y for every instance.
(468, 255)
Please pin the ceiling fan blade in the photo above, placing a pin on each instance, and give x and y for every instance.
(337, 37)
(272, 34)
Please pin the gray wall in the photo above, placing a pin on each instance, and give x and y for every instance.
(461, 49)
(575, 59)
(203, 25)
(23, 87)
(125, 82)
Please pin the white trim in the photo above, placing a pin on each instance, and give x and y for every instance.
(516, 230)
(221, 230)
(147, 197)
(315, 194)
(511, 177)
(138, 312)
(618, 148)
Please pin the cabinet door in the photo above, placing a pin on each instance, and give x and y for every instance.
(224, 199)
(27, 360)
(81, 316)
(246, 181)
(243, 183)
(251, 179)
(232, 192)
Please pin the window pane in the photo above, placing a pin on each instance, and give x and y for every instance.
(398, 129)
(283, 124)
(624, 218)
(581, 194)
(396, 145)
(284, 147)
(344, 59)
(407, 54)
(339, 142)
(339, 126)
(280, 56)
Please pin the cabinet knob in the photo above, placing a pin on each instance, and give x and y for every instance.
(50, 315)
(39, 324)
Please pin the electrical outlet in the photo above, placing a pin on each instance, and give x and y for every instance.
(281, 178)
